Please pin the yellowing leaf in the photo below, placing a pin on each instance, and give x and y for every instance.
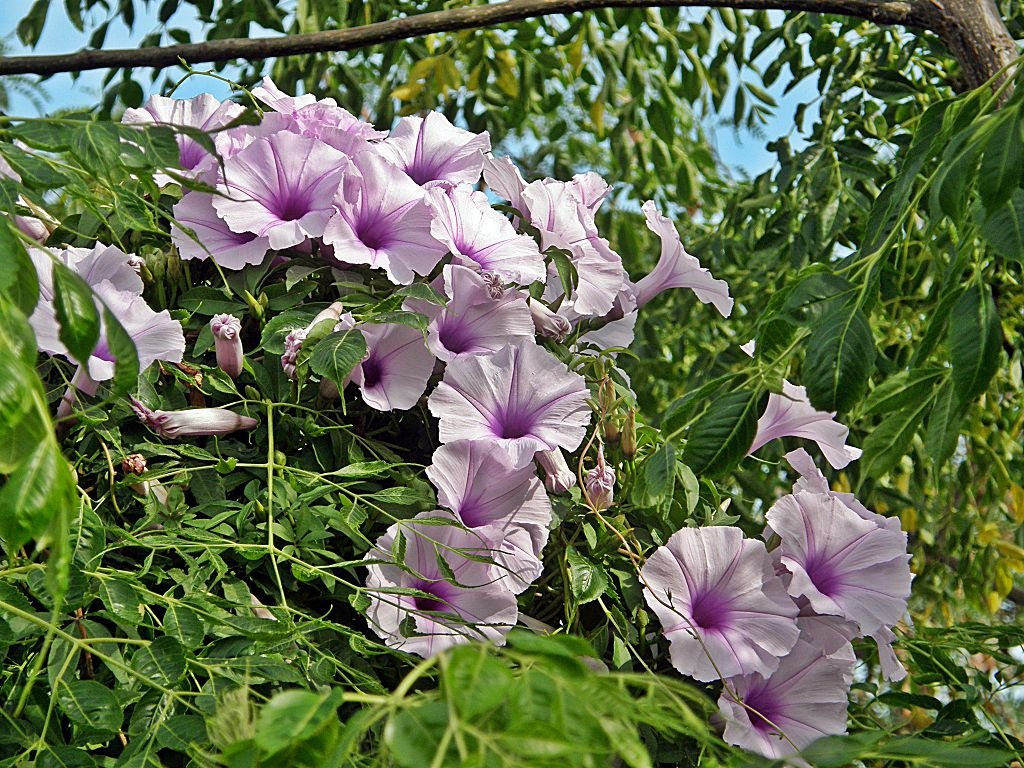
(597, 116)
(575, 53)
(407, 92)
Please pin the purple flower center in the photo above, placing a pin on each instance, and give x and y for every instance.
(102, 351)
(292, 205)
(372, 372)
(439, 600)
(763, 708)
(823, 575)
(373, 233)
(190, 152)
(424, 170)
(511, 423)
(455, 337)
(711, 611)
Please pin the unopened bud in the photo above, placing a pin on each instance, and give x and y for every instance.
(606, 395)
(292, 346)
(628, 440)
(558, 478)
(227, 342)
(600, 483)
(611, 430)
(548, 324)
(192, 422)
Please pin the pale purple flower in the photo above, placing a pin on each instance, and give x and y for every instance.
(116, 286)
(192, 422)
(720, 604)
(473, 322)
(213, 237)
(203, 112)
(477, 234)
(521, 396)
(678, 269)
(227, 343)
(565, 222)
(841, 563)
(892, 668)
(432, 149)
(382, 221)
(590, 189)
(474, 480)
(781, 713)
(395, 371)
(558, 477)
(477, 606)
(281, 187)
(502, 176)
(792, 415)
(600, 483)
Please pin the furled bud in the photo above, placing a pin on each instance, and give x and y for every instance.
(135, 464)
(227, 342)
(600, 483)
(558, 478)
(292, 345)
(549, 324)
(628, 439)
(193, 422)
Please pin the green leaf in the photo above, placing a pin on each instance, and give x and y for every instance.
(184, 625)
(944, 424)
(1003, 230)
(723, 434)
(18, 279)
(76, 312)
(587, 579)
(126, 356)
(292, 717)
(904, 388)
(975, 336)
(121, 599)
(181, 732)
(34, 493)
(61, 756)
(162, 661)
(1002, 165)
(88, 703)
(660, 473)
(840, 357)
(338, 354)
(886, 443)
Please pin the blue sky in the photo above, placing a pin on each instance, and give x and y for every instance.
(743, 151)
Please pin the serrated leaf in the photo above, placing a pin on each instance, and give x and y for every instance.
(724, 433)
(1002, 165)
(184, 625)
(77, 316)
(1003, 230)
(126, 356)
(121, 599)
(943, 424)
(975, 336)
(587, 579)
(338, 354)
(34, 494)
(18, 279)
(840, 358)
(886, 443)
(162, 661)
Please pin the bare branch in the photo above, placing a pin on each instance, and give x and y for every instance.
(979, 40)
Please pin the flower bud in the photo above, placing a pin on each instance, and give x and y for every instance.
(558, 478)
(135, 464)
(611, 430)
(33, 228)
(628, 439)
(600, 483)
(227, 342)
(549, 324)
(193, 422)
(292, 346)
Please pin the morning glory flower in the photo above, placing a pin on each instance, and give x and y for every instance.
(432, 149)
(395, 371)
(204, 113)
(558, 477)
(678, 269)
(548, 324)
(213, 237)
(720, 604)
(281, 187)
(522, 397)
(477, 606)
(841, 563)
(778, 714)
(381, 220)
(473, 322)
(792, 415)
(476, 234)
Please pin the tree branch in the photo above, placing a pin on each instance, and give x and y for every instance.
(972, 29)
